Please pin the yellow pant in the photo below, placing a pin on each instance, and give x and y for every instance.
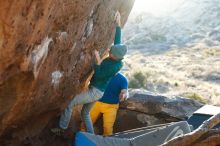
(109, 112)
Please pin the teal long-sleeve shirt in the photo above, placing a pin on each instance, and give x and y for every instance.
(108, 68)
(104, 72)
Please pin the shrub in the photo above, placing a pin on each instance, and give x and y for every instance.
(212, 52)
(138, 80)
(176, 84)
(197, 97)
(134, 84)
(158, 37)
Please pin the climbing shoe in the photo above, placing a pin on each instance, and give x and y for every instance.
(58, 131)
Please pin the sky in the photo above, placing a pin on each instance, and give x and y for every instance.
(156, 7)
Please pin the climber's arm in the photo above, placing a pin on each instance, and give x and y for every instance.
(118, 29)
(101, 70)
(97, 57)
(124, 90)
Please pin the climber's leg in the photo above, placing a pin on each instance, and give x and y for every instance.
(95, 95)
(67, 114)
(89, 96)
(109, 116)
(85, 114)
(94, 114)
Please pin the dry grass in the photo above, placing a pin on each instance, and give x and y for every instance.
(211, 52)
(196, 96)
(180, 71)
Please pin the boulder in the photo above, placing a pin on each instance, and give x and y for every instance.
(46, 55)
(145, 108)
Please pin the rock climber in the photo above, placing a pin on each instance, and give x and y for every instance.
(104, 70)
(116, 91)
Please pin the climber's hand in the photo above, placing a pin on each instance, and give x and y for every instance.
(118, 18)
(122, 99)
(105, 54)
(97, 56)
(123, 95)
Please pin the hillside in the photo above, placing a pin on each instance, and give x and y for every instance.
(178, 52)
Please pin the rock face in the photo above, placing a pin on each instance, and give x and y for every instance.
(144, 109)
(46, 56)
